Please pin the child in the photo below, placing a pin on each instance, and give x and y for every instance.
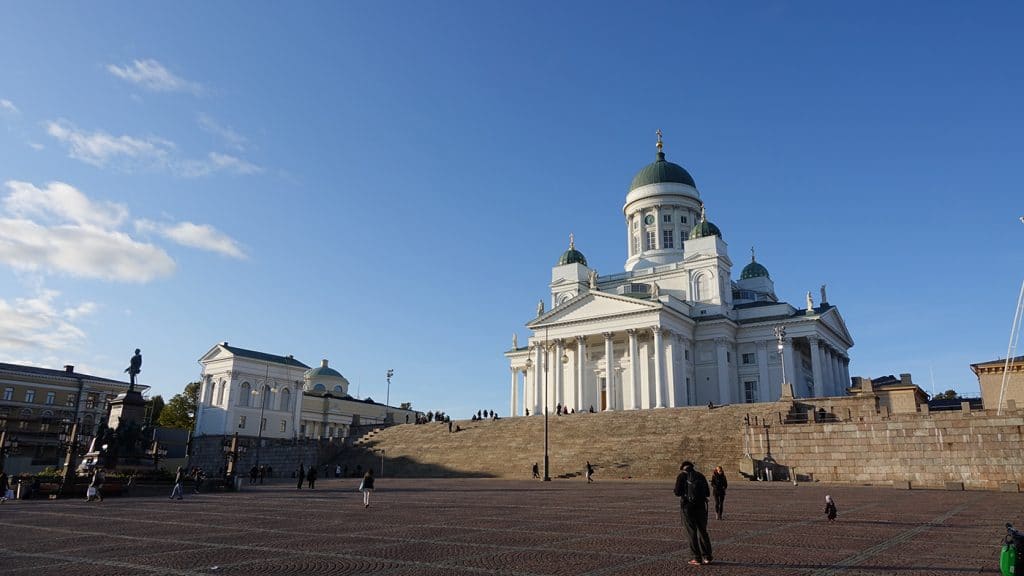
(830, 509)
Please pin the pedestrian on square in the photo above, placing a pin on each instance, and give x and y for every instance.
(830, 508)
(366, 487)
(718, 485)
(311, 476)
(337, 471)
(254, 472)
(590, 473)
(179, 479)
(96, 484)
(536, 471)
(692, 489)
(263, 472)
(302, 474)
(4, 486)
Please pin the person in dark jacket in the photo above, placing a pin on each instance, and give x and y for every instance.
(302, 474)
(718, 486)
(830, 508)
(692, 490)
(366, 486)
(311, 476)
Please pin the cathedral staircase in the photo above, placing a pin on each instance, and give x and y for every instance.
(620, 444)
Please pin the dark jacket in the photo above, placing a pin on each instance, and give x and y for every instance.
(691, 488)
(719, 483)
(368, 482)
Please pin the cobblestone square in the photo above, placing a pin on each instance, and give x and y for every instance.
(513, 527)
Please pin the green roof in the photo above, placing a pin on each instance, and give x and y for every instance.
(572, 256)
(661, 170)
(754, 270)
(704, 229)
(322, 371)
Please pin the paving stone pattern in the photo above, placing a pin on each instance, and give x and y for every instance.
(457, 526)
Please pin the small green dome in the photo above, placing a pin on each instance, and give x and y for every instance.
(754, 270)
(661, 170)
(572, 255)
(322, 371)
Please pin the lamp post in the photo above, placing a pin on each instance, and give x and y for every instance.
(263, 394)
(231, 452)
(780, 335)
(381, 450)
(387, 408)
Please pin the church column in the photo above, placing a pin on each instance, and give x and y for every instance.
(581, 362)
(558, 372)
(724, 383)
(846, 375)
(633, 391)
(671, 385)
(689, 377)
(765, 390)
(512, 403)
(659, 366)
(609, 358)
(837, 375)
(816, 365)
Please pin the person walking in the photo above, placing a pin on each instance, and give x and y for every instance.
(301, 474)
(96, 484)
(366, 487)
(830, 508)
(179, 479)
(692, 489)
(590, 473)
(4, 486)
(536, 471)
(311, 476)
(718, 485)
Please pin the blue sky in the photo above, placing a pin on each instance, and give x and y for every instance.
(387, 185)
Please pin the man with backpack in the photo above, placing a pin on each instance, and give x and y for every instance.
(693, 492)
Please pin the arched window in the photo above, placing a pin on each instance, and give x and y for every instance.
(286, 399)
(320, 388)
(220, 393)
(243, 398)
(338, 389)
(267, 397)
(698, 287)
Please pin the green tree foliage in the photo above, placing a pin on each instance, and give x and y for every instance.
(947, 395)
(154, 406)
(180, 412)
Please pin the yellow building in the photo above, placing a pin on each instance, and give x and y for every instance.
(37, 404)
(897, 395)
(990, 380)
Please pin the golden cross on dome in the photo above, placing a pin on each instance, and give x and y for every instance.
(752, 254)
(658, 132)
(572, 243)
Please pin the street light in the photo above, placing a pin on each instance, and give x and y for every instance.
(68, 438)
(387, 406)
(263, 393)
(780, 335)
(231, 451)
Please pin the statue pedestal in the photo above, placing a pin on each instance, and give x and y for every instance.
(127, 408)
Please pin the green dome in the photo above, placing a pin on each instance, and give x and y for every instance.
(703, 229)
(572, 256)
(754, 270)
(322, 371)
(661, 170)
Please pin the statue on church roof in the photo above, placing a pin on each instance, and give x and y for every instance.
(810, 303)
(515, 341)
(593, 279)
(540, 307)
(824, 299)
(655, 291)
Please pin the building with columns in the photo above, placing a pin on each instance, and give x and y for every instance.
(673, 329)
(270, 396)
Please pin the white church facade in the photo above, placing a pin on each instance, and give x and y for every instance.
(270, 396)
(673, 329)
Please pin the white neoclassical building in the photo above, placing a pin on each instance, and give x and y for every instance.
(246, 390)
(673, 329)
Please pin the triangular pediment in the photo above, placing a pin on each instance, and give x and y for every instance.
(218, 352)
(593, 306)
(834, 321)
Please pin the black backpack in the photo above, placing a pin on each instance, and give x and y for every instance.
(696, 488)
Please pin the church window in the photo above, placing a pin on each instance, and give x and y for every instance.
(666, 239)
(686, 355)
(649, 240)
(667, 218)
(241, 421)
(682, 219)
(283, 427)
(728, 357)
(286, 400)
(337, 389)
(320, 388)
(243, 398)
(750, 358)
(636, 243)
(220, 392)
(750, 391)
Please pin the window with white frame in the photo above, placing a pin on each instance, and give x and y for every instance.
(666, 239)
(682, 219)
(8, 393)
(283, 427)
(636, 243)
(649, 240)
(666, 218)
(750, 358)
(30, 395)
(243, 396)
(51, 397)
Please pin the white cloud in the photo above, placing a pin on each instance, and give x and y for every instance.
(63, 202)
(36, 323)
(216, 162)
(8, 106)
(226, 133)
(201, 236)
(152, 75)
(35, 146)
(99, 148)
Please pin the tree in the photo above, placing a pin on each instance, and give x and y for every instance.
(154, 406)
(180, 412)
(947, 395)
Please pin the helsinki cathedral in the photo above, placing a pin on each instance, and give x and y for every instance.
(674, 328)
